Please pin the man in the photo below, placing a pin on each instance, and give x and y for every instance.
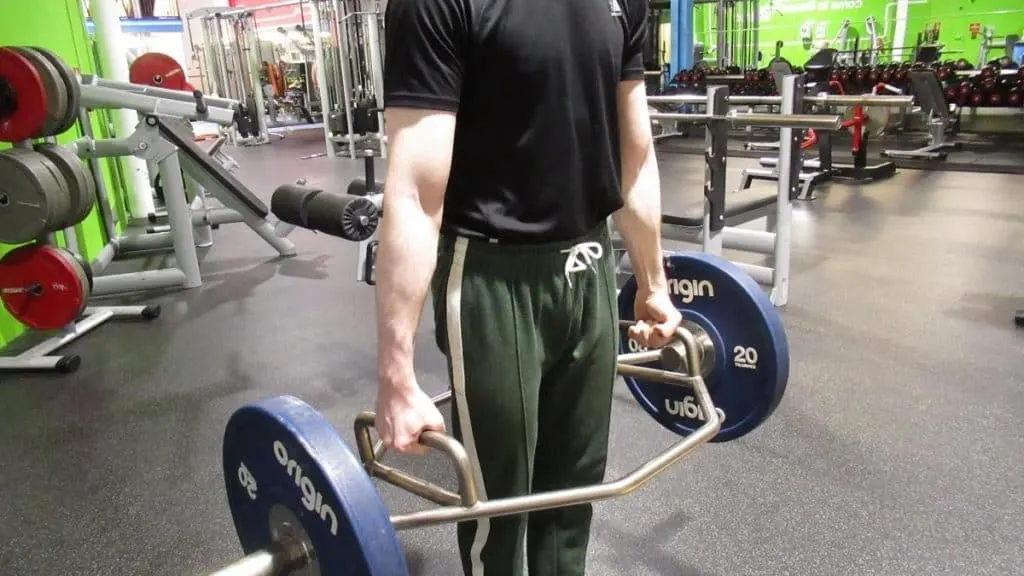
(516, 128)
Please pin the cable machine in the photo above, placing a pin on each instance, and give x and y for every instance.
(356, 126)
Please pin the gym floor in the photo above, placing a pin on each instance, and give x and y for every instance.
(897, 449)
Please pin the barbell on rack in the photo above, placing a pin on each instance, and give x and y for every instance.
(303, 504)
(866, 100)
(756, 119)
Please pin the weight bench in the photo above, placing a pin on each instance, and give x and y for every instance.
(940, 120)
(242, 205)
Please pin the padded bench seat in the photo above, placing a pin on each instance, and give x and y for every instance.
(737, 204)
(232, 185)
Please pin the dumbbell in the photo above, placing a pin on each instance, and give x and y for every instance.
(299, 497)
(1016, 97)
(952, 94)
(864, 75)
(900, 75)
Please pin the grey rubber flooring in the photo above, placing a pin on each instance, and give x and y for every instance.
(897, 450)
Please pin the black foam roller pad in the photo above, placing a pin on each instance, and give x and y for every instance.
(290, 203)
(353, 218)
(358, 187)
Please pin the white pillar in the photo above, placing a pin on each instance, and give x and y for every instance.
(900, 33)
(112, 50)
(321, 73)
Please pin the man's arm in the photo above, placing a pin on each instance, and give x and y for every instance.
(425, 56)
(417, 176)
(639, 220)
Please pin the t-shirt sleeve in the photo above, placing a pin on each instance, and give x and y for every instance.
(425, 53)
(636, 35)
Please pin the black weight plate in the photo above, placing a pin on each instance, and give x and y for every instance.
(74, 89)
(81, 191)
(56, 92)
(282, 459)
(26, 196)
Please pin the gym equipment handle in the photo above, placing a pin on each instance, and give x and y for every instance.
(439, 441)
(466, 506)
(826, 122)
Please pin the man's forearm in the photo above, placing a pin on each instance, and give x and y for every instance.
(406, 258)
(639, 221)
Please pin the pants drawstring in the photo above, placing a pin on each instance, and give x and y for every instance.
(582, 257)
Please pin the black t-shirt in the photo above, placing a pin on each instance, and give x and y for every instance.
(533, 84)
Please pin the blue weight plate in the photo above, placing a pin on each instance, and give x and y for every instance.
(279, 454)
(751, 364)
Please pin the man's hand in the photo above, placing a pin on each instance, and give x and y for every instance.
(404, 411)
(657, 319)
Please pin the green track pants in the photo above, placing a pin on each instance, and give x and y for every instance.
(531, 339)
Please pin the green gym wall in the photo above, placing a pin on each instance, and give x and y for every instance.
(781, 20)
(58, 25)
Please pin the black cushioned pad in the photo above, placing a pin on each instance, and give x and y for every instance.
(233, 186)
(929, 91)
(736, 204)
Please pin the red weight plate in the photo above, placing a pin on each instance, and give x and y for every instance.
(41, 288)
(23, 102)
(159, 70)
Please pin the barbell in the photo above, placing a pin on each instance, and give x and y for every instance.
(829, 122)
(304, 504)
(865, 100)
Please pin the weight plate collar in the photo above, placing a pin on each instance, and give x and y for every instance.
(751, 365)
